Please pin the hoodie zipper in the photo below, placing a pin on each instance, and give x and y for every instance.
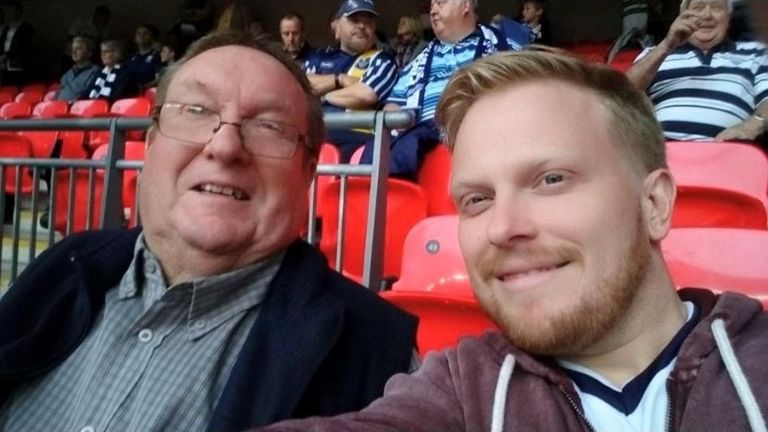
(576, 408)
(668, 427)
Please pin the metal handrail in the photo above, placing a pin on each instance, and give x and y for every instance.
(114, 165)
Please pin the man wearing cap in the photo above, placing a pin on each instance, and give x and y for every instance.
(356, 75)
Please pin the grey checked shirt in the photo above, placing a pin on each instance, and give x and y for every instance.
(156, 360)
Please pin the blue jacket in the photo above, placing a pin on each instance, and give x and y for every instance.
(321, 345)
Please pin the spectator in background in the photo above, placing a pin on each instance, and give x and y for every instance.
(409, 41)
(564, 199)
(78, 79)
(16, 45)
(215, 316)
(145, 63)
(758, 12)
(294, 42)
(356, 76)
(95, 28)
(727, 100)
(195, 18)
(534, 15)
(234, 16)
(459, 41)
(115, 80)
(634, 25)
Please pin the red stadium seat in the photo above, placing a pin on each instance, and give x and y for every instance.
(329, 155)
(131, 107)
(42, 142)
(49, 96)
(54, 86)
(722, 259)
(443, 319)
(89, 108)
(50, 109)
(6, 97)
(85, 199)
(31, 97)
(15, 110)
(406, 206)
(9, 89)
(150, 93)
(435, 178)
(40, 88)
(719, 185)
(432, 261)
(624, 59)
(134, 150)
(15, 146)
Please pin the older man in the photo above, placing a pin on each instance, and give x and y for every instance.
(215, 317)
(562, 210)
(460, 41)
(75, 82)
(354, 76)
(705, 86)
(292, 34)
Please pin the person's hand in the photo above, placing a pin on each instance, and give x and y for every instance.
(748, 130)
(682, 28)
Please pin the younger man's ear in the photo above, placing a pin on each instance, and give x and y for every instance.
(658, 201)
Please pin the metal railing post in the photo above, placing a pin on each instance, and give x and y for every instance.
(112, 193)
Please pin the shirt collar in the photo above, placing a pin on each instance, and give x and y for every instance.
(210, 301)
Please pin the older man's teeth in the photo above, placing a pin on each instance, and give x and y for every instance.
(223, 190)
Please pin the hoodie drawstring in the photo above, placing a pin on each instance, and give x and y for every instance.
(500, 395)
(747, 398)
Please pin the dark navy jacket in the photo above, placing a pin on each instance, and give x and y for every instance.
(321, 345)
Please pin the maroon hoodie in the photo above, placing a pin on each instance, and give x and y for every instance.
(486, 380)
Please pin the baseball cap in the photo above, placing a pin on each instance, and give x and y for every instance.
(349, 7)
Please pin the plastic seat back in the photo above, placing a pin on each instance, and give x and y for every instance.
(719, 184)
(432, 260)
(721, 259)
(15, 110)
(130, 107)
(31, 97)
(406, 206)
(50, 109)
(15, 146)
(443, 320)
(329, 155)
(89, 108)
(435, 178)
(42, 142)
(82, 206)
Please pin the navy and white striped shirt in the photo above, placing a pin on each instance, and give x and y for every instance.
(698, 95)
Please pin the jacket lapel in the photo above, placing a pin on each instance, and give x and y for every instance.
(297, 326)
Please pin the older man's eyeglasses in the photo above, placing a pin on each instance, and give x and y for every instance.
(196, 124)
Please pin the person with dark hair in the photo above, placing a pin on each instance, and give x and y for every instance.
(356, 76)
(292, 34)
(15, 45)
(115, 80)
(215, 315)
(145, 63)
(563, 211)
(534, 16)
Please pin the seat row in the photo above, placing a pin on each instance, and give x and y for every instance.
(434, 284)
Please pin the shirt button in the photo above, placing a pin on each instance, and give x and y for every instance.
(199, 324)
(145, 335)
(87, 429)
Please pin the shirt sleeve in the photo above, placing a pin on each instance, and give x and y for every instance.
(761, 82)
(381, 75)
(399, 94)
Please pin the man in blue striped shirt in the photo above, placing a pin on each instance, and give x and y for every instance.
(355, 75)
(705, 86)
(460, 40)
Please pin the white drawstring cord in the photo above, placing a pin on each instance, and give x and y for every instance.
(755, 417)
(500, 395)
